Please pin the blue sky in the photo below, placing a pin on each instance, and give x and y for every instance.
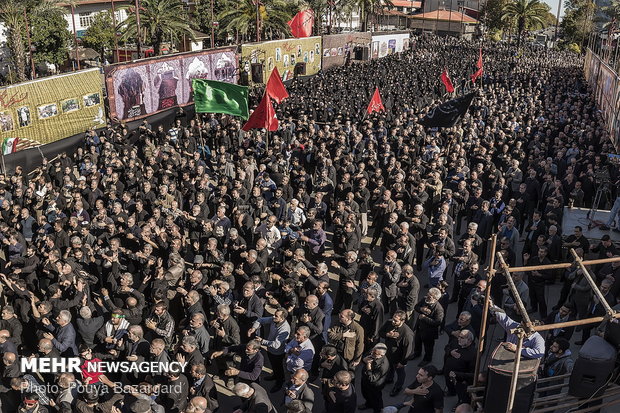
(554, 7)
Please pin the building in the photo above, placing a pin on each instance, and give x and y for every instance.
(445, 22)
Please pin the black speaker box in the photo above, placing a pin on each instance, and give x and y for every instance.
(596, 361)
(300, 69)
(243, 78)
(501, 368)
(257, 73)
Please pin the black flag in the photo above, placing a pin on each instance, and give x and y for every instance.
(446, 114)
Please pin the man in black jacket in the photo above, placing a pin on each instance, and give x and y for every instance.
(254, 399)
(399, 343)
(249, 309)
(408, 290)
(427, 327)
(459, 365)
(371, 318)
(203, 386)
(374, 377)
(297, 389)
(341, 397)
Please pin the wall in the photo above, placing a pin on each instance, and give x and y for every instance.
(336, 47)
(149, 86)
(384, 44)
(283, 54)
(52, 108)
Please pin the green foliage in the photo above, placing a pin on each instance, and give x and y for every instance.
(577, 22)
(12, 15)
(574, 47)
(525, 15)
(50, 37)
(201, 19)
(495, 35)
(100, 34)
(492, 12)
(240, 17)
(159, 20)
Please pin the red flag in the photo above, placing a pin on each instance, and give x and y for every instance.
(301, 24)
(275, 88)
(480, 70)
(375, 104)
(264, 116)
(445, 79)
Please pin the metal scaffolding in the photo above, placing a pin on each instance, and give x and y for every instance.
(527, 328)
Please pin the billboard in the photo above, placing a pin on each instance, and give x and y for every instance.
(337, 46)
(52, 108)
(606, 92)
(389, 43)
(149, 86)
(283, 54)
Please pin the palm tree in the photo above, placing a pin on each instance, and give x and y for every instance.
(159, 19)
(526, 15)
(240, 17)
(13, 15)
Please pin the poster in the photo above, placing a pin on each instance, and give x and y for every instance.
(149, 86)
(384, 44)
(336, 47)
(49, 109)
(283, 54)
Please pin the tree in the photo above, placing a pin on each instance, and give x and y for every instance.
(201, 18)
(240, 17)
(525, 15)
(13, 15)
(492, 13)
(159, 20)
(50, 37)
(100, 34)
(577, 22)
(370, 8)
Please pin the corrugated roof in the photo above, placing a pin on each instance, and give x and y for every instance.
(444, 15)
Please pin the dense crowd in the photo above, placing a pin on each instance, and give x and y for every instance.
(304, 271)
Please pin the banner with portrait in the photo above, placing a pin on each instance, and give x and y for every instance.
(338, 47)
(149, 86)
(52, 108)
(384, 44)
(285, 55)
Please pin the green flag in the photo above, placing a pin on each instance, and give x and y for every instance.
(211, 96)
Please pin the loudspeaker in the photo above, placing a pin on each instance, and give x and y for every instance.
(365, 53)
(498, 382)
(243, 78)
(357, 52)
(596, 361)
(300, 69)
(612, 332)
(257, 72)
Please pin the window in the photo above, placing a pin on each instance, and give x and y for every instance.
(86, 19)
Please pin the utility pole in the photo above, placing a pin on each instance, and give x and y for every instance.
(75, 42)
(32, 73)
(115, 39)
(212, 27)
(138, 40)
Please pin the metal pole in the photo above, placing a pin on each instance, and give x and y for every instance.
(515, 293)
(515, 373)
(33, 72)
(485, 311)
(115, 38)
(75, 42)
(557, 21)
(138, 40)
(593, 285)
(212, 27)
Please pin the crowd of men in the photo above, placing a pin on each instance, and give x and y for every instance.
(305, 273)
